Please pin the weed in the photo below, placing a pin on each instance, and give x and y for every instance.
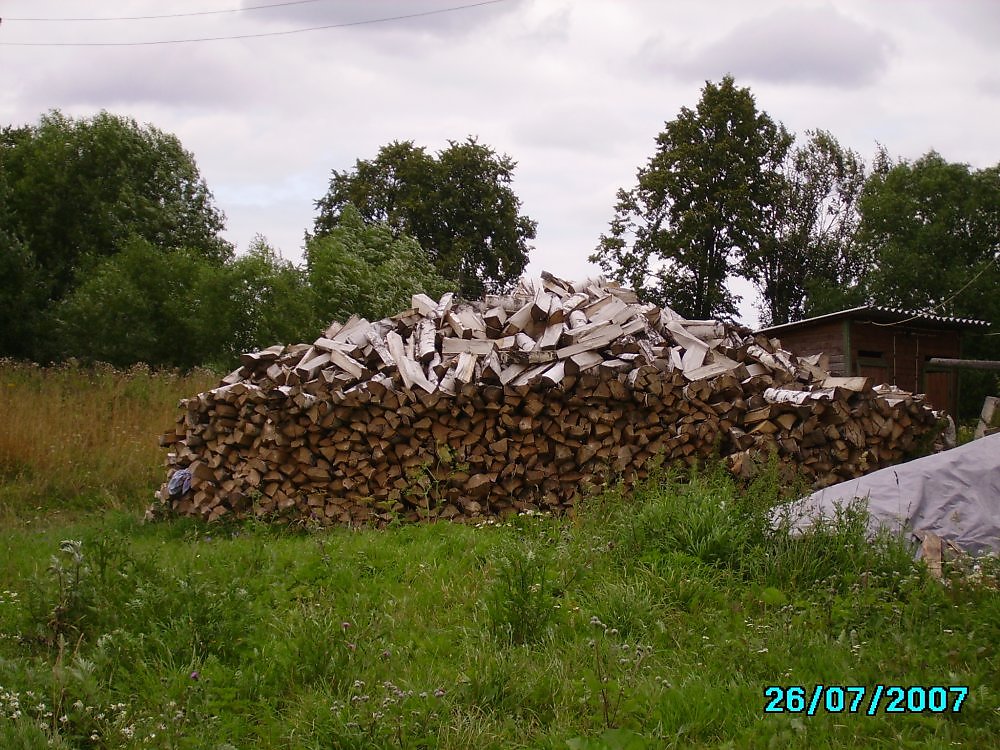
(519, 604)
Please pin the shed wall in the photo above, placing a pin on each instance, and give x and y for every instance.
(827, 337)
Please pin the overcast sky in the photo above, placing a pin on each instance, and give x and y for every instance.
(574, 91)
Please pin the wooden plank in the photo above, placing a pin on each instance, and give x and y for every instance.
(443, 306)
(577, 318)
(495, 318)
(719, 366)
(378, 344)
(638, 324)
(530, 374)
(519, 320)
(466, 367)
(452, 319)
(423, 304)
(856, 384)
(473, 322)
(555, 374)
(583, 361)
(426, 334)
(603, 299)
(347, 364)
(511, 372)
(573, 349)
(541, 305)
(307, 370)
(597, 335)
(450, 345)
(550, 338)
(610, 308)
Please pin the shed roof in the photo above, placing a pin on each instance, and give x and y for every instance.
(885, 315)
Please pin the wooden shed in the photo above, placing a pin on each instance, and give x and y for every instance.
(889, 345)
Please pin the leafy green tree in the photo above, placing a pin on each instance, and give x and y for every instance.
(368, 270)
(177, 308)
(806, 256)
(698, 204)
(22, 289)
(81, 188)
(932, 228)
(139, 305)
(258, 299)
(458, 205)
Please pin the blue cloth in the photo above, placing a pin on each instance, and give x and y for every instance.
(179, 483)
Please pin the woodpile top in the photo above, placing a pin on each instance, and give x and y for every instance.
(465, 409)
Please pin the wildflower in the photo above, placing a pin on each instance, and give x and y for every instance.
(195, 676)
(439, 693)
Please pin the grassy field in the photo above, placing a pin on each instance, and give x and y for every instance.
(75, 439)
(651, 621)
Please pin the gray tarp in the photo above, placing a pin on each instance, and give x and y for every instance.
(954, 494)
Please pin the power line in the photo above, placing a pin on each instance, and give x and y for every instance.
(989, 262)
(170, 15)
(257, 35)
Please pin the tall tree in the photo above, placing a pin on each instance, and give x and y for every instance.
(932, 228)
(177, 308)
(459, 205)
(81, 188)
(365, 269)
(22, 288)
(806, 255)
(698, 204)
(141, 304)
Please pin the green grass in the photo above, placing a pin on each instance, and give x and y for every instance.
(647, 621)
(653, 622)
(75, 438)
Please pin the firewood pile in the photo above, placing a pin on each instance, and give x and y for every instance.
(464, 410)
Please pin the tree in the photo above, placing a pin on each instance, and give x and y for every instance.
(81, 188)
(367, 270)
(22, 290)
(932, 228)
(698, 203)
(176, 308)
(140, 305)
(806, 256)
(268, 299)
(458, 205)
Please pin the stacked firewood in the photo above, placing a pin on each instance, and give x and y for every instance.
(461, 410)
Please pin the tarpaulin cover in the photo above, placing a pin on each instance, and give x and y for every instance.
(954, 494)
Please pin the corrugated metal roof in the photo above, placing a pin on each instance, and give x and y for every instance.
(885, 315)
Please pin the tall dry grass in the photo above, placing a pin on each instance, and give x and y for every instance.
(81, 437)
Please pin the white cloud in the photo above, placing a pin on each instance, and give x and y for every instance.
(553, 83)
(799, 45)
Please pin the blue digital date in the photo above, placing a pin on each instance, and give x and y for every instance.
(860, 699)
